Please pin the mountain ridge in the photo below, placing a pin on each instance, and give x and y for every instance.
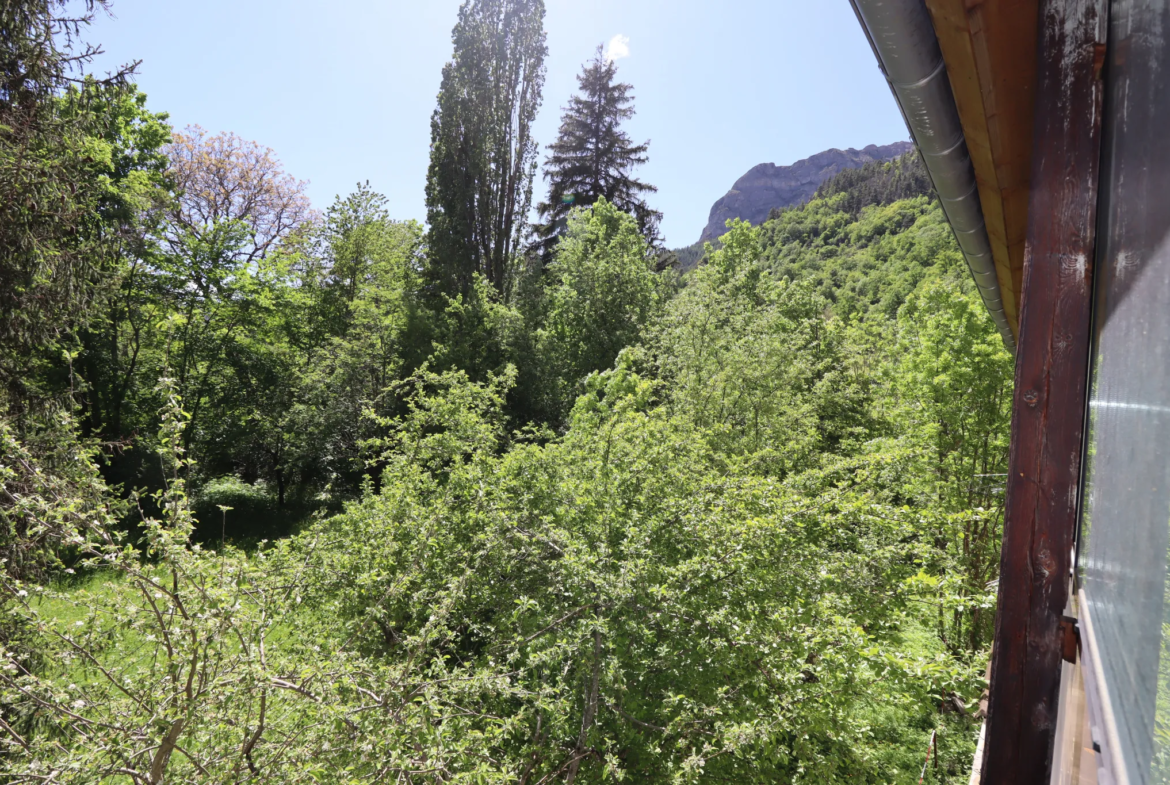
(767, 186)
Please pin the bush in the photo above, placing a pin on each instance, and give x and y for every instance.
(248, 512)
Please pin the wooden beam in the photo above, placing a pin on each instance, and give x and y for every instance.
(990, 51)
(1049, 405)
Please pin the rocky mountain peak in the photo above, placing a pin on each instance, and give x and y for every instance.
(768, 186)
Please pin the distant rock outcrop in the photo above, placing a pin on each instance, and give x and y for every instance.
(768, 186)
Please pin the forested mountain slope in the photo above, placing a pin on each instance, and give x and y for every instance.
(866, 240)
(768, 187)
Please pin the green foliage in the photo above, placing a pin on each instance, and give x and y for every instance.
(951, 401)
(953, 385)
(754, 553)
(276, 358)
(483, 156)
(625, 608)
(867, 264)
(879, 183)
(690, 257)
(613, 604)
(50, 489)
(448, 420)
(347, 323)
(79, 159)
(602, 293)
(476, 331)
(252, 509)
(509, 519)
(593, 158)
(754, 363)
(166, 667)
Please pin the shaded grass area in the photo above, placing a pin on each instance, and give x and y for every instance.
(902, 731)
(228, 510)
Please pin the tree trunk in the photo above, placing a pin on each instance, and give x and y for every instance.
(590, 711)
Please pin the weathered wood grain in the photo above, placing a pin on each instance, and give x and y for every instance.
(990, 50)
(1049, 406)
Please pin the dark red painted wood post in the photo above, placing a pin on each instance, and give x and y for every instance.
(1049, 406)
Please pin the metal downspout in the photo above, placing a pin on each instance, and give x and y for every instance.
(903, 39)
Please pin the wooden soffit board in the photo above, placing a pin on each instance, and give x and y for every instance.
(990, 51)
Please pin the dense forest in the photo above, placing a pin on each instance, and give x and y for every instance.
(302, 496)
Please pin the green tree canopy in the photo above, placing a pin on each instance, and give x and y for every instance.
(593, 158)
(64, 175)
(602, 293)
(483, 155)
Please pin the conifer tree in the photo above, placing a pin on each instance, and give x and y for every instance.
(59, 200)
(483, 156)
(593, 157)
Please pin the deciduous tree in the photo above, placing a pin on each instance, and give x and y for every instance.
(224, 178)
(602, 294)
(483, 155)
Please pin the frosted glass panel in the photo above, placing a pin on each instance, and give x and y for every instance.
(1126, 522)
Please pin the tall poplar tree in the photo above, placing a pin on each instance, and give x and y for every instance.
(593, 157)
(483, 156)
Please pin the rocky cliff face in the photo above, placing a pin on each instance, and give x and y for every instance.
(768, 186)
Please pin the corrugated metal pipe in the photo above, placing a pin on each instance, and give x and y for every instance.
(903, 38)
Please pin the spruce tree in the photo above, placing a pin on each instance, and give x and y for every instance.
(593, 157)
(483, 156)
(58, 228)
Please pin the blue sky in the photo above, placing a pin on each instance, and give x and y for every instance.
(343, 90)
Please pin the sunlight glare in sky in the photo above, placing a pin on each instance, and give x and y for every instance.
(619, 48)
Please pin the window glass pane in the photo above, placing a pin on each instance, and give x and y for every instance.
(1126, 526)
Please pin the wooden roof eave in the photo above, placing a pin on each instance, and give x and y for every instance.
(990, 51)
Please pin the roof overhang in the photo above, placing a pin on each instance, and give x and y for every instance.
(989, 47)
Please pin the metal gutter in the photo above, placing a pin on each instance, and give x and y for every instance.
(903, 39)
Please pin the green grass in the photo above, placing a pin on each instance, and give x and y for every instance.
(901, 730)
